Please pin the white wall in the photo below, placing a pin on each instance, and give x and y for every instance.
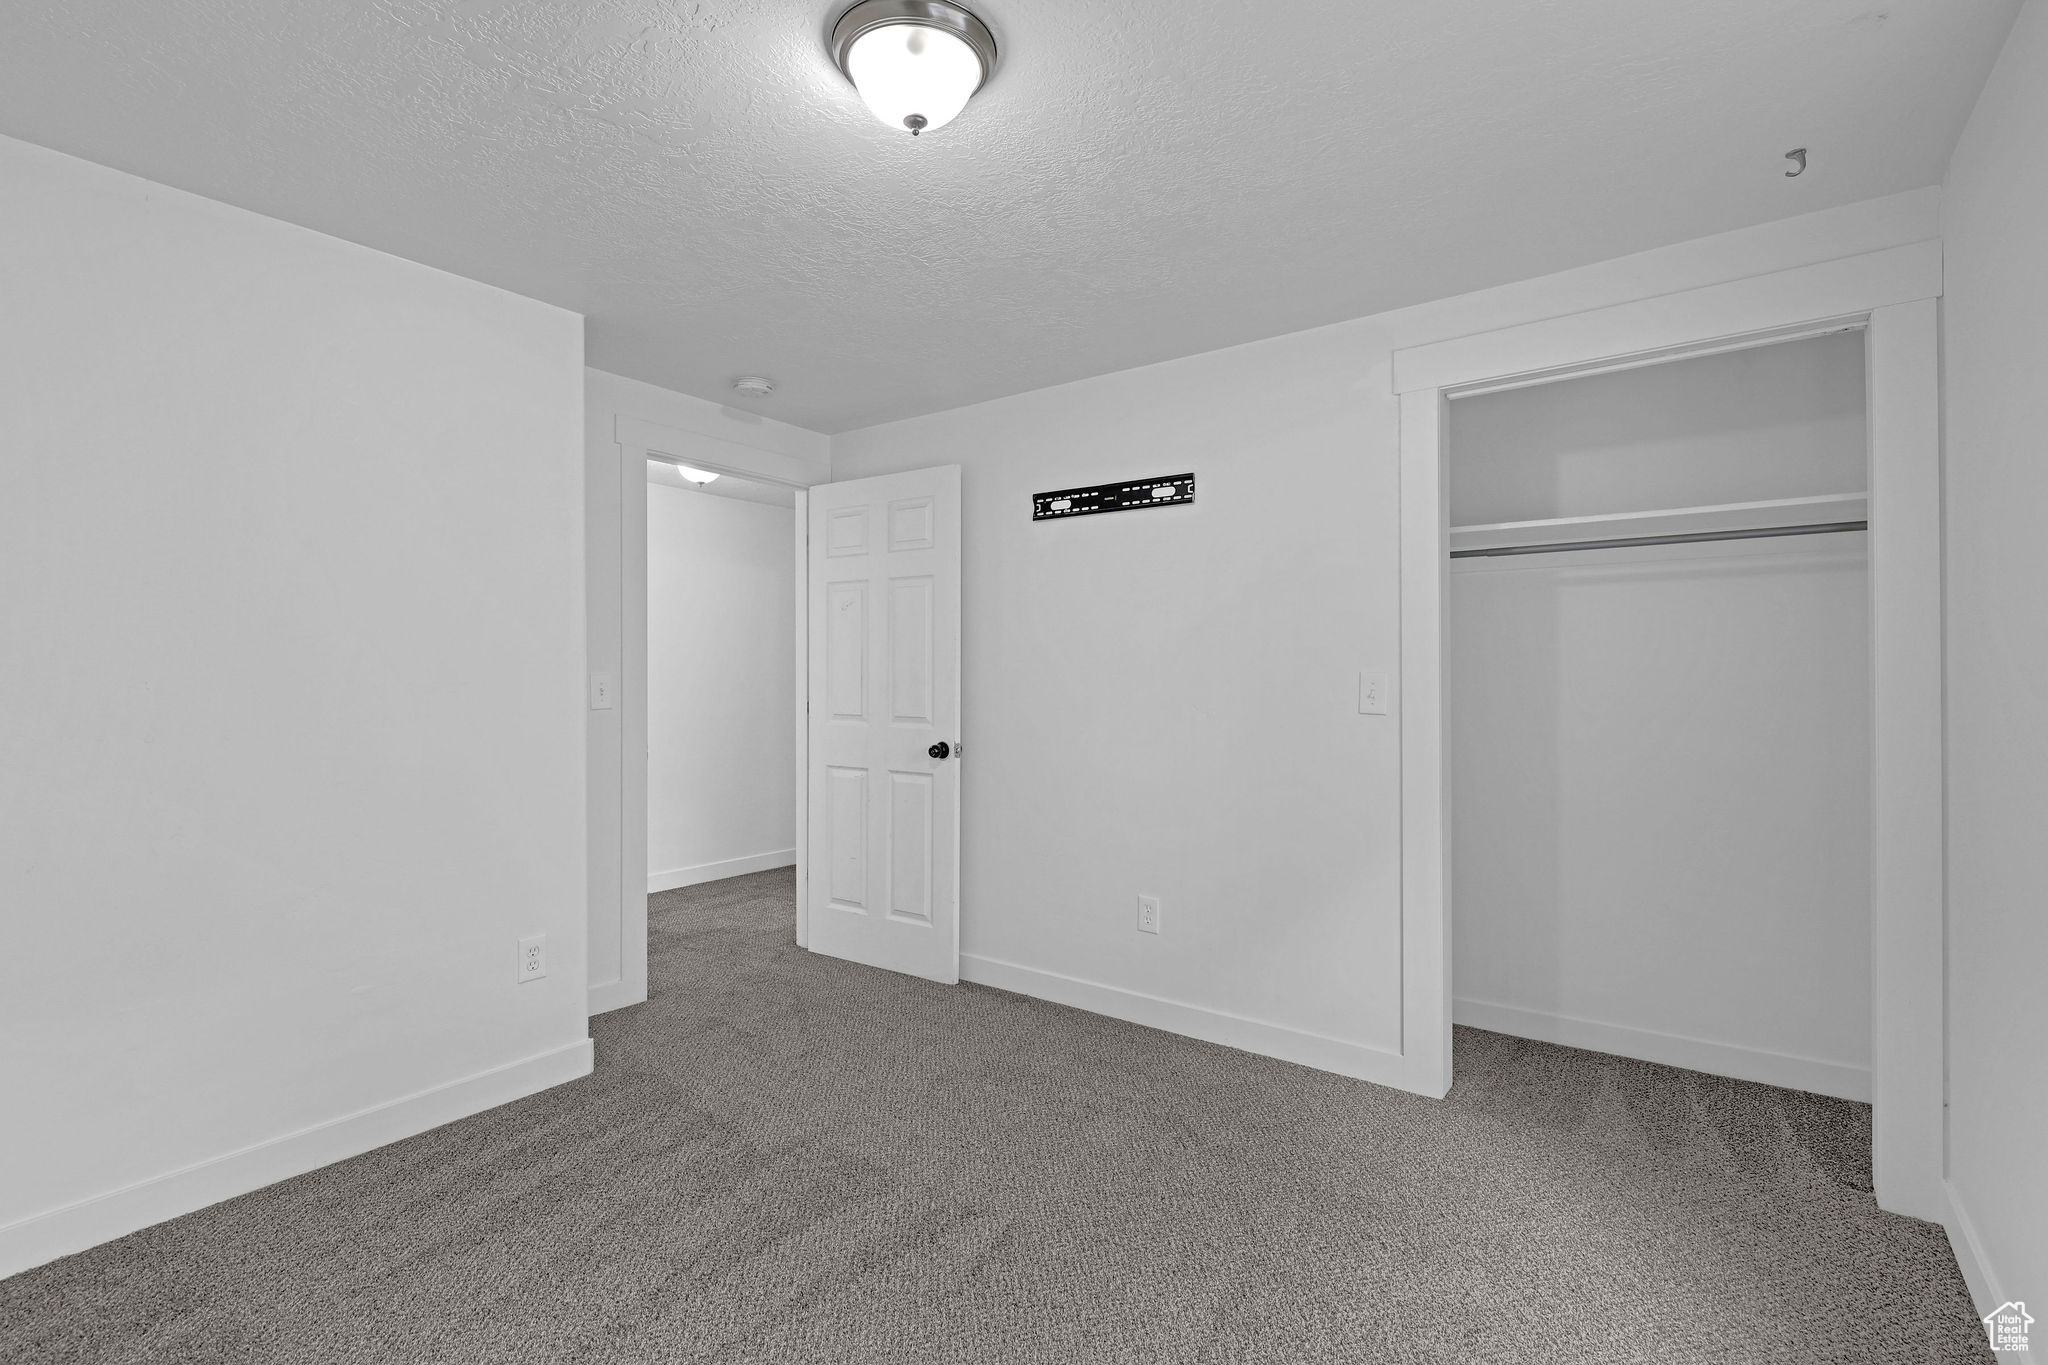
(1162, 703)
(1166, 702)
(615, 557)
(294, 754)
(1996, 352)
(721, 672)
(1660, 758)
(1783, 421)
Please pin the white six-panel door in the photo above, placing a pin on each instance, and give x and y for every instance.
(883, 856)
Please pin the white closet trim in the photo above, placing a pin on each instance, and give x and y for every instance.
(1892, 293)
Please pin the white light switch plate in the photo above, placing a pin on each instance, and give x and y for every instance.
(600, 691)
(1372, 692)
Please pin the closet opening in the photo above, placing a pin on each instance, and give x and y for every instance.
(1658, 711)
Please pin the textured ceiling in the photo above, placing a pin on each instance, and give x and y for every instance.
(1142, 179)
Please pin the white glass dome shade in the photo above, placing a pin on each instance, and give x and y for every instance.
(916, 63)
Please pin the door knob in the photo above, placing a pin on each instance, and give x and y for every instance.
(940, 750)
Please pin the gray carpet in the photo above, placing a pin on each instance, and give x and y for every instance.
(783, 1158)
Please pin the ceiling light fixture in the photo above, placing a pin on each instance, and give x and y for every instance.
(694, 475)
(915, 62)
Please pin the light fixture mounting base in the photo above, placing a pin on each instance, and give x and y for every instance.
(957, 20)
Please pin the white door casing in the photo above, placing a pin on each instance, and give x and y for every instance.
(616, 531)
(883, 819)
(1890, 293)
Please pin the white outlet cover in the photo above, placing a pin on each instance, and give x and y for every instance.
(1148, 914)
(533, 957)
(600, 691)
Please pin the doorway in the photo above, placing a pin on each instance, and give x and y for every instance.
(721, 667)
(630, 462)
(854, 714)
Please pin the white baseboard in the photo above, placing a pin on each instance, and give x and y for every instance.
(59, 1232)
(711, 872)
(615, 995)
(1671, 1049)
(1987, 1289)
(1196, 1021)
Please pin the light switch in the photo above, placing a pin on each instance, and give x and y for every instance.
(1372, 692)
(600, 691)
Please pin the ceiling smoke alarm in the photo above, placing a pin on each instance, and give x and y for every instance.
(753, 386)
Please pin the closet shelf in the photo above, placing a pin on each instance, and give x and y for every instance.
(1727, 516)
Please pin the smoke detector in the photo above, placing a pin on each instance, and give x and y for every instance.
(753, 386)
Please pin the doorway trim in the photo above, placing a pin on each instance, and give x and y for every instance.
(635, 441)
(1892, 296)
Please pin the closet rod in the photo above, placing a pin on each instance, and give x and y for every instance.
(1686, 538)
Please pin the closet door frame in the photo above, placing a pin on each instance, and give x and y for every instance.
(1890, 295)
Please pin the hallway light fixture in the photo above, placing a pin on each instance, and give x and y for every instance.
(915, 62)
(694, 475)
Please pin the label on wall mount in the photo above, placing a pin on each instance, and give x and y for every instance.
(1162, 491)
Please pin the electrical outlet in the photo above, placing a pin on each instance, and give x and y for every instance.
(600, 691)
(1148, 914)
(533, 957)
